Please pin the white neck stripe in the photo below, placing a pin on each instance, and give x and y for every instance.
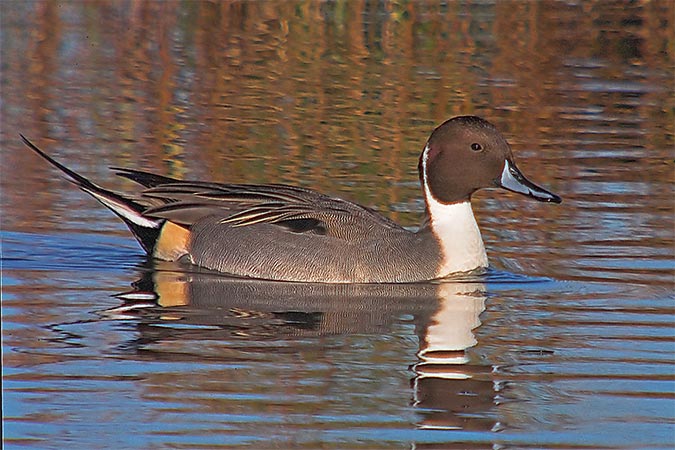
(455, 228)
(425, 183)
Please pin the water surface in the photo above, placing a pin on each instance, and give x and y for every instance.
(567, 342)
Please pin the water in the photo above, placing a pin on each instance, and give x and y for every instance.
(567, 342)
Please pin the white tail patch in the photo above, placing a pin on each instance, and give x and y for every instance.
(123, 210)
(456, 229)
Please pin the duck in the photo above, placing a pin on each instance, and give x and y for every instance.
(288, 233)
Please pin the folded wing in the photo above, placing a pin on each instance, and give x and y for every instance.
(296, 209)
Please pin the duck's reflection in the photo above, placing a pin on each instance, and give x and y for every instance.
(448, 391)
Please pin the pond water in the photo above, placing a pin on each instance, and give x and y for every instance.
(567, 342)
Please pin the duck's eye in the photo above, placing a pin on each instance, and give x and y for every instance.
(476, 147)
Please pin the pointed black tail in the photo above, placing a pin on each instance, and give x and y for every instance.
(146, 230)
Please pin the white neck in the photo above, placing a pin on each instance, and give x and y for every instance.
(456, 229)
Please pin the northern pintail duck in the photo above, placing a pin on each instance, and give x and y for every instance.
(279, 232)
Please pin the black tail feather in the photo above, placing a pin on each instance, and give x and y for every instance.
(146, 236)
(146, 179)
(74, 176)
(146, 230)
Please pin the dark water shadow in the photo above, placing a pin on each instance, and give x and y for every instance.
(448, 390)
